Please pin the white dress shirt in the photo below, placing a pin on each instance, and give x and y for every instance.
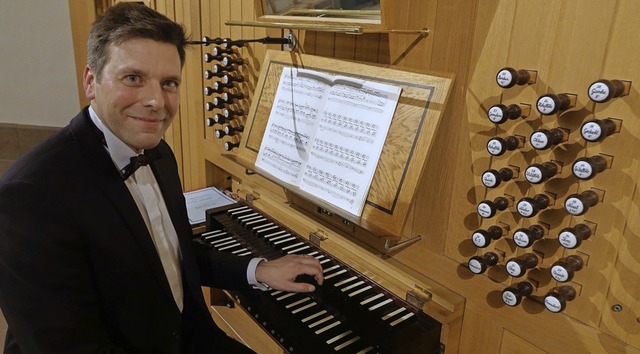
(145, 191)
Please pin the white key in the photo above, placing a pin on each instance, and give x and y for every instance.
(285, 296)
(319, 322)
(346, 281)
(304, 307)
(359, 291)
(334, 274)
(309, 318)
(373, 298)
(294, 304)
(339, 336)
(409, 315)
(379, 305)
(347, 288)
(326, 328)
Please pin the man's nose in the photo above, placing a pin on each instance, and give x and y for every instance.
(153, 95)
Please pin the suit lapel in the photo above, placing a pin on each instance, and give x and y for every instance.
(108, 179)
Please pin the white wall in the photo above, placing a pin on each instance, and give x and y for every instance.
(37, 67)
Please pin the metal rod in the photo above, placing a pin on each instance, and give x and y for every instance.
(388, 248)
(298, 26)
(333, 13)
(326, 28)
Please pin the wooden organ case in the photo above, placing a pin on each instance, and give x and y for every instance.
(563, 46)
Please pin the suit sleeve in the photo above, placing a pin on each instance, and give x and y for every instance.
(46, 290)
(222, 270)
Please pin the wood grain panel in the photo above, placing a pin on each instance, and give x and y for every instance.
(624, 174)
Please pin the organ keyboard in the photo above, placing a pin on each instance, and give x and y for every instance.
(349, 313)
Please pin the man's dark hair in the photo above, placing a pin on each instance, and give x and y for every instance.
(125, 21)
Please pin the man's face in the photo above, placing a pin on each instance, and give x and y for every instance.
(137, 96)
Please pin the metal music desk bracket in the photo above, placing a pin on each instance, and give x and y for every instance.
(389, 248)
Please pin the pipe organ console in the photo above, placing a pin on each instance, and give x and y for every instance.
(349, 313)
(520, 232)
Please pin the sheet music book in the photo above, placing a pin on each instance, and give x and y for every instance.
(325, 135)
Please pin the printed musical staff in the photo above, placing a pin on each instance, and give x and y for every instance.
(289, 136)
(341, 152)
(300, 113)
(334, 128)
(281, 162)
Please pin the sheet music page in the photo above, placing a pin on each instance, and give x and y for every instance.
(198, 201)
(325, 134)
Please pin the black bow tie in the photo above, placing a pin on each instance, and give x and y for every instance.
(138, 161)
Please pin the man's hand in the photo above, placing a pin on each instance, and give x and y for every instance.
(280, 274)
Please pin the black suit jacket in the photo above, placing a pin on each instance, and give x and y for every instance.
(78, 269)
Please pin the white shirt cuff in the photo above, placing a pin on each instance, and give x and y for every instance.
(251, 274)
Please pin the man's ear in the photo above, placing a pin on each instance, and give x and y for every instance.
(88, 81)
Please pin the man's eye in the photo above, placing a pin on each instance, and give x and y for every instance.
(171, 84)
(132, 78)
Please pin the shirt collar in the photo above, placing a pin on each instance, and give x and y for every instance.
(120, 152)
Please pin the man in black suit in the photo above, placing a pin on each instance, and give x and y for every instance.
(97, 257)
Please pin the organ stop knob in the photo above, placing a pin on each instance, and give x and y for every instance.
(586, 168)
(228, 61)
(551, 103)
(210, 90)
(482, 238)
(572, 237)
(219, 118)
(603, 90)
(512, 296)
(230, 113)
(543, 139)
(479, 264)
(498, 146)
(230, 97)
(208, 57)
(209, 74)
(518, 266)
(219, 69)
(508, 77)
(217, 51)
(500, 113)
(220, 133)
(492, 178)
(538, 173)
(488, 209)
(556, 300)
(230, 145)
(217, 103)
(530, 206)
(208, 40)
(564, 269)
(597, 129)
(232, 129)
(578, 204)
(227, 79)
(525, 237)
